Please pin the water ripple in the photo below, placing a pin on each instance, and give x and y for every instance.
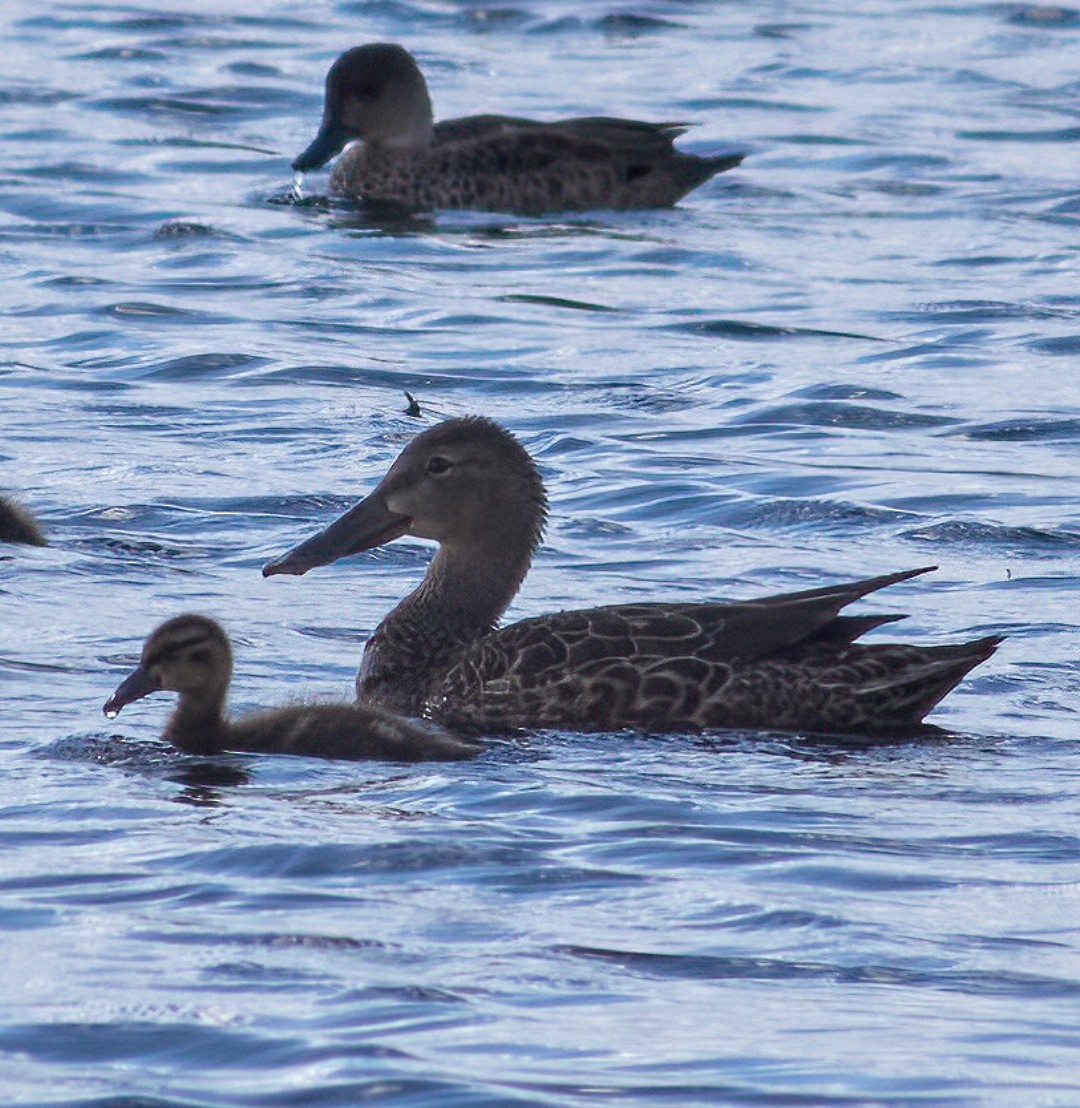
(853, 350)
(765, 969)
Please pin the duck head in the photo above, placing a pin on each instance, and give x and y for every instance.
(189, 655)
(375, 93)
(466, 483)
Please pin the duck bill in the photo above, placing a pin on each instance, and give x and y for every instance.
(369, 524)
(135, 686)
(330, 140)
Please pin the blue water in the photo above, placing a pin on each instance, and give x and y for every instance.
(855, 354)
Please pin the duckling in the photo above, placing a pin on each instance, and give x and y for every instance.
(377, 94)
(18, 525)
(190, 655)
(788, 662)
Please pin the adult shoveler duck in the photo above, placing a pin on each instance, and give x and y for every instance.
(18, 525)
(377, 94)
(190, 655)
(787, 662)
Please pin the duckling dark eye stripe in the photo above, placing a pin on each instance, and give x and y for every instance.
(171, 649)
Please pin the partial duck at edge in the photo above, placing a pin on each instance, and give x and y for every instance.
(376, 94)
(190, 655)
(789, 662)
(18, 525)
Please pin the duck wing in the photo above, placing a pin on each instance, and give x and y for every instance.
(508, 144)
(505, 163)
(717, 632)
(595, 136)
(788, 661)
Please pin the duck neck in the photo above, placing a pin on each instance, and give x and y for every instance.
(461, 598)
(198, 725)
(406, 128)
(415, 140)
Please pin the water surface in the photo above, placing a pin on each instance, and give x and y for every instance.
(854, 354)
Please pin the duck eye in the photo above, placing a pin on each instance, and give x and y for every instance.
(200, 656)
(438, 464)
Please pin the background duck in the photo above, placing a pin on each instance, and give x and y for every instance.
(18, 525)
(190, 655)
(787, 662)
(376, 93)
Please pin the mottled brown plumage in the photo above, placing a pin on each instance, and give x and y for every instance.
(787, 662)
(190, 655)
(18, 525)
(377, 94)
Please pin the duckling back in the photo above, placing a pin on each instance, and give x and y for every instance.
(345, 731)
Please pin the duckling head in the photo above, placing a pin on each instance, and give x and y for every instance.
(466, 483)
(375, 93)
(189, 655)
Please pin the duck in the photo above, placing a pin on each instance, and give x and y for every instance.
(18, 525)
(789, 662)
(376, 94)
(190, 655)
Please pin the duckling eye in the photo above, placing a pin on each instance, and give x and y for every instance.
(438, 464)
(200, 656)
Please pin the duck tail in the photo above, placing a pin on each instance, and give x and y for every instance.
(720, 163)
(913, 690)
(846, 629)
(690, 170)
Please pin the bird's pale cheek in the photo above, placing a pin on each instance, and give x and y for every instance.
(398, 504)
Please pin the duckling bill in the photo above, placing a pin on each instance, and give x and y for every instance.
(377, 96)
(788, 662)
(191, 655)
